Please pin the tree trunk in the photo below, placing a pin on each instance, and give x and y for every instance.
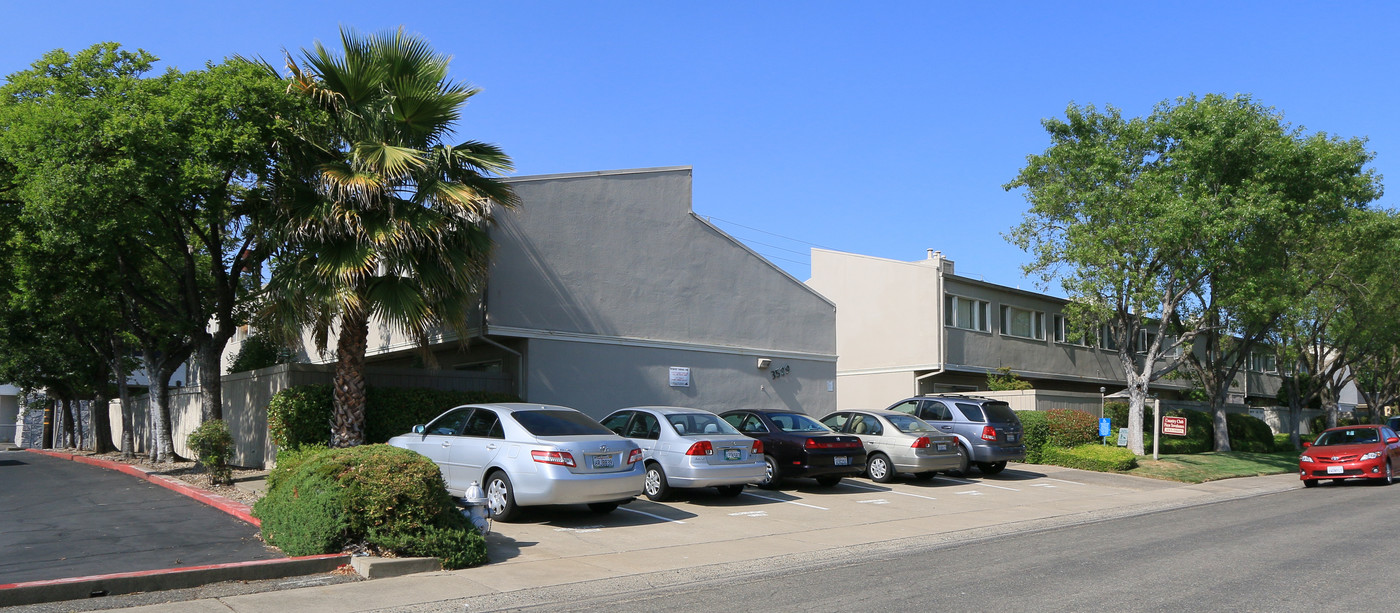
(211, 381)
(159, 372)
(348, 421)
(1137, 404)
(1329, 406)
(46, 440)
(1221, 425)
(101, 424)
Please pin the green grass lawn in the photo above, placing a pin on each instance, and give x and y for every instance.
(1202, 467)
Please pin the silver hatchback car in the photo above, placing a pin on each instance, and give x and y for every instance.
(685, 447)
(898, 443)
(529, 454)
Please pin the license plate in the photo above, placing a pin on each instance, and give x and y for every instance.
(1011, 438)
(1335, 470)
(602, 461)
(843, 460)
(942, 446)
(731, 455)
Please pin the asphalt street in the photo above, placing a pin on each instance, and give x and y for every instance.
(61, 519)
(1331, 548)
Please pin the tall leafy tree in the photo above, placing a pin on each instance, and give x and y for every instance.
(1104, 220)
(1267, 195)
(398, 231)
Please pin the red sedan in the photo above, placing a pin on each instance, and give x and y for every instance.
(1350, 452)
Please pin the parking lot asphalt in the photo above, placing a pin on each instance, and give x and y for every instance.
(62, 519)
(701, 532)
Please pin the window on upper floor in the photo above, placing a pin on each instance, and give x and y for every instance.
(1106, 340)
(967, 313)
(1263, 362)
(1063, 333)
(1024, 323)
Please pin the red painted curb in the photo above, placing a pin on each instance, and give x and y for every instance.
(232, 507)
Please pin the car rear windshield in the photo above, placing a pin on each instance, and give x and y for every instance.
(994, 412)
(793, 422)
(699, 424)
(558, 423)
(908, 424)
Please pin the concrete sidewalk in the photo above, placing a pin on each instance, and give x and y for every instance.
(664, 542)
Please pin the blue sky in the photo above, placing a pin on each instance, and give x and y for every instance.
(881, 128)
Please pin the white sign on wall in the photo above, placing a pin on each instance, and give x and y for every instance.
(680, 376)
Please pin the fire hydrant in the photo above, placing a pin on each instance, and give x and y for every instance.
(476, 509)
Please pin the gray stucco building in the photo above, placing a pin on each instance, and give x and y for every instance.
(607, 291)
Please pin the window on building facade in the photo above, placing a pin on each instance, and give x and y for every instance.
(1063, 333)
(1024, 323)
(1263, 362)
(967, 313)
(1144, 340)
(1106, 340)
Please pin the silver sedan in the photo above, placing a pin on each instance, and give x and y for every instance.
(529, 454)
(897, 443)
(689, 448)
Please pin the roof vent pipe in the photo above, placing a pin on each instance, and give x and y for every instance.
(930, 254)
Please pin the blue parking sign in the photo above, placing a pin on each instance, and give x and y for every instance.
(1105, 426)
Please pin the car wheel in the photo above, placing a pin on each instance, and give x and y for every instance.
(828, 481)
(656, 487)
(730, 491)
(1389, 474)
(1310, 482)
(773, 474)
(500, 497)
(964, 462)
(991, 468)
(879, 469)
(926, 476)
(602, 507)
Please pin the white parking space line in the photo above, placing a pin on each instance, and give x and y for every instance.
(674, 521)
(1010, 489)
(749, 514)
(1063, 481)
(581, 530)
(1042, 485)
(969, 493)
(876, 501)
(800, 504)
(881, 489)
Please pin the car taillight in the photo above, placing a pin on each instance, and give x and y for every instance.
(634, 457)
(561, 458)
(920, 443)
(989, 433)
(701, 448)
(816, 444)
(758, 447)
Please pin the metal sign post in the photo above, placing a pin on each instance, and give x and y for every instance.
(1156, 424)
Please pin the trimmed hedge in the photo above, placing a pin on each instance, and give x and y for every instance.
(301, 415)
(1319, 422)
(1035, 430)
(1247, 433)
(325, 500)
(1041, 430)
(1102, 458)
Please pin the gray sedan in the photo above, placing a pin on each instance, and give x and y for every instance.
(897, 443)
(529, 454)
(689, 448)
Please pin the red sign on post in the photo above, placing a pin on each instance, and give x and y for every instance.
(1175, 426)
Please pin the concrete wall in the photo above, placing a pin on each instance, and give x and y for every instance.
(888, 314)
(600, 378)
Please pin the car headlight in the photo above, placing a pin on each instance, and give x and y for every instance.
(1371, 456)
(1304, 459)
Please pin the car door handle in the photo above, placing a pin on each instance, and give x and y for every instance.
(946, 427)
(491, 446)
(447, 443)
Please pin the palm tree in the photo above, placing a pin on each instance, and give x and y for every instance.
(396, 229)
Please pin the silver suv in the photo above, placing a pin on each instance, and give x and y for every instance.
(987, 430)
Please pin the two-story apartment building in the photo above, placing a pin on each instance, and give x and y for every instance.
(917, 327)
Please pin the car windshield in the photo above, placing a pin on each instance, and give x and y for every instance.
(908, 423)
(558, 423)
(696, 424)
(1350, 436)
(793, 422)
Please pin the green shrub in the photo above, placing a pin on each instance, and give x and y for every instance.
(260, 351)
(1071, 427)
(299, 416)
(1249, 433)
(302, 415)
(212, 444)
(1035, 430)
(1102, 458)
(323, 500)
(1117, 411)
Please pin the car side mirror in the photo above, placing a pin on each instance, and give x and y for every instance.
(1392, 440)
(1306, 444)
(419, 429)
